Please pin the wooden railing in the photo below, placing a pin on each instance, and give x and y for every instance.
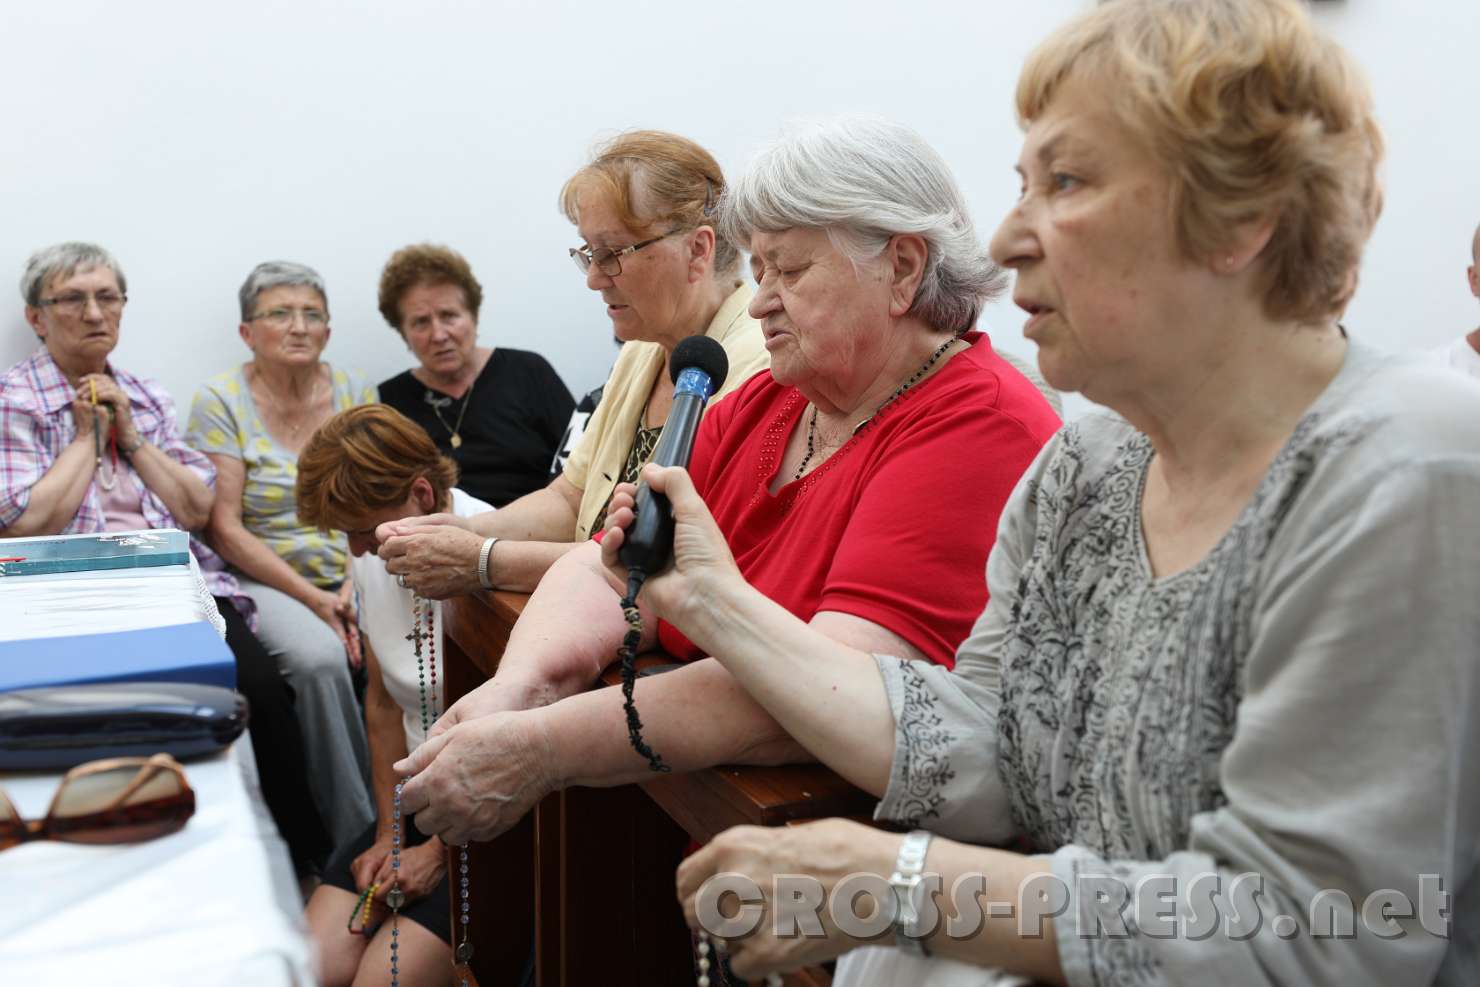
(601, 861)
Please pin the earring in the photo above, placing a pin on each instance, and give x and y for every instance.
(1228, 262)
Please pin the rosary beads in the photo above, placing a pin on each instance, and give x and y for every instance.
(423, 614)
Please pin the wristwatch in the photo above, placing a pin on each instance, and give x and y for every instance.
(484, 579)
(908, 873)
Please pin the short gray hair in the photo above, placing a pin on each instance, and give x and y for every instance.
(278, 274)
(864, 180)
(65, 260)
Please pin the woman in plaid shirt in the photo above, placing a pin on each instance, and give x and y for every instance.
(54, 481)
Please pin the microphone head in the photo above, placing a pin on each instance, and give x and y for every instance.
(703, 354)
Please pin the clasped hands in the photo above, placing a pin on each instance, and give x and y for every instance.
(112, 404)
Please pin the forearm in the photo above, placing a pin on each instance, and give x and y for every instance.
(245, 551)
(57, 496)
(826, 695)
(546, 515)
(387, 739)
(569, 631)
(185, 495)
(694, 717)
(998, 943)
(520, 565)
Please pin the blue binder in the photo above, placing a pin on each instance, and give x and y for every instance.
(180, 653)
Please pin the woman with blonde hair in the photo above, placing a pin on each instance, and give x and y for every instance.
(1221, 704)
(361, 468)
(646, 207)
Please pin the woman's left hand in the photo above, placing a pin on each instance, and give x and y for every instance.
(111, 395)
(702, 562)
(479, 778)
(827, 851)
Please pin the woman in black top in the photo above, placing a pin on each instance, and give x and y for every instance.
(499, 413)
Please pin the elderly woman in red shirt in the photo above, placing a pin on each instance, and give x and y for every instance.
(858, 483)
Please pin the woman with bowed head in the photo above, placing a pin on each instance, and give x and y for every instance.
(646, 207)
(857, 485)
(252, 421)
(361, 468)
(87, 447)
(498, 413)
(1231, 634)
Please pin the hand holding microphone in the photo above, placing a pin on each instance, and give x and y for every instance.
(698, 367)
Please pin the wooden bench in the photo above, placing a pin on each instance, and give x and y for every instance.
(601, 860)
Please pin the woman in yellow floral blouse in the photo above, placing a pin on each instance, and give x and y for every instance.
(251, 421)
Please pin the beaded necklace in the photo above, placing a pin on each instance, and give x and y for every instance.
(913, 380)
(423, 612)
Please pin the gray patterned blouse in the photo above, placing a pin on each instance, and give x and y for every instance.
(1302, 704)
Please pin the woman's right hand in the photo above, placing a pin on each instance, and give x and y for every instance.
(368, 864)
(702, 565)
(330, 609)
(85, 413)
(436, 556)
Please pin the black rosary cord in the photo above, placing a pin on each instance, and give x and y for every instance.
(628, 655)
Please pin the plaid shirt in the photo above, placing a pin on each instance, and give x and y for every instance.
(36, 425)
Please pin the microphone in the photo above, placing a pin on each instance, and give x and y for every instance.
(698, 368)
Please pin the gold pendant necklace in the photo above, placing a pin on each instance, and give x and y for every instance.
(439, 403)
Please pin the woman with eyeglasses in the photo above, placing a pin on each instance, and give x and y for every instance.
(86, 447)
(252, 421)
(499, 413)
(645, 207)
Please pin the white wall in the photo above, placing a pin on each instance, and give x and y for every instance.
(195, 140)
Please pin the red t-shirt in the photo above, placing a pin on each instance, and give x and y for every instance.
(895, 527)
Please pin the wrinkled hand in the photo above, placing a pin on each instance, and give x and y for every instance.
(702, 562)
(82, 417)
(479, 778)
(436, 555)
(421, 868)
(828, 851)
(111, 396)
(497, 695)
(328, 608)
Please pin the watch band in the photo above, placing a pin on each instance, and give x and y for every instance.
(908, 870)
(484, 579)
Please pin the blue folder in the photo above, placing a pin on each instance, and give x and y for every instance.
(191, 652)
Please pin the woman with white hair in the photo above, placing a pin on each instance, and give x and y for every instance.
(857, 484)
(252, 421)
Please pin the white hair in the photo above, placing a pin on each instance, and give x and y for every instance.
(64, 260)
(864, 180)
(278, 274)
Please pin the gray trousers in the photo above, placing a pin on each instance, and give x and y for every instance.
(314, 664)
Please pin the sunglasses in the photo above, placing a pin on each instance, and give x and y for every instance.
(120, 800)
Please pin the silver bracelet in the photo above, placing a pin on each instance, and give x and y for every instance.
(484, 579)
(908, 871)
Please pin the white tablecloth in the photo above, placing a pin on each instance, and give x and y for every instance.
(215, 903)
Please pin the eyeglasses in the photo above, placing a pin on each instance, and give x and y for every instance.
(608, 261)
(120, 800)
(74, 303)
(282, 318)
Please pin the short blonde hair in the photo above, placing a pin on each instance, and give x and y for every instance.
(677, 182)
(364, 460)
(1255, 114)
